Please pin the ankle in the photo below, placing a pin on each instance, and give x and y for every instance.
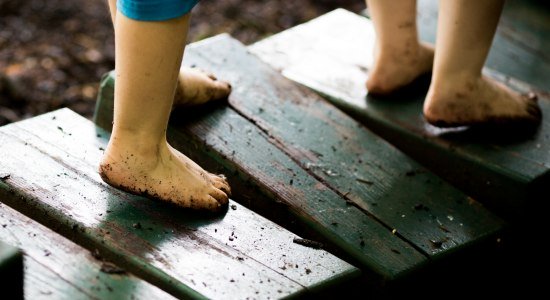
(454, 85)
(130, 151)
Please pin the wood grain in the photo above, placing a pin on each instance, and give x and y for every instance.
(344, 155)
(52, 161)
(267, 180)
(57, 268)
(510, 175)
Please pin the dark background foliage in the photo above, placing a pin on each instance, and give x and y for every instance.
(53, 53)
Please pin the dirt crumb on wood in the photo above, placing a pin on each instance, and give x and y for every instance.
(96, 254)
(110, 268)
(308, 243)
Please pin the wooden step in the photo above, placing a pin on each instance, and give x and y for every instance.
(304, 158)
(50, 165)
(332, 55)
(11, 269)
(57, 268)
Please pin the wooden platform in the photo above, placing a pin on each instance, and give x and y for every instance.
(56, 268)
(332, 55)
(298, 160)
(49, 173)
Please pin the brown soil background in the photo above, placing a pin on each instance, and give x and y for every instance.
(53, 53)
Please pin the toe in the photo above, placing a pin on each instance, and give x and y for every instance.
(221, 90)
(533, 108)
(212, 76)
(214, 205)
(219, 196)
(221, 183)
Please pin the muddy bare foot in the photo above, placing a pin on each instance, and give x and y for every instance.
(395, 69)
(196, 87)
(481, 101)
(163, 174)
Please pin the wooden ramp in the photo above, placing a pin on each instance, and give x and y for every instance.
(300, 161)
(332, 55)
(49, 173)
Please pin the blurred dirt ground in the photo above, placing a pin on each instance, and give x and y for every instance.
(53, 53)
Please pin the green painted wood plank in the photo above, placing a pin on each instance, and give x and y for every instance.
(520, 46)
(509, 177)
(347, 157)
(57, 268)
(51, 161)
(267, 180)
(11, 270)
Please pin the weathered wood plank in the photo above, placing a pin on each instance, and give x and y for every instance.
(507, 176)
(347, 157)
(267, 180)
(57, 268)
(11, 270)
(182, 253)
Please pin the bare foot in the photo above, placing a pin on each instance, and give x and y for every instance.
(394, 69)
(460, 102)
(163, 174)
(196, 87)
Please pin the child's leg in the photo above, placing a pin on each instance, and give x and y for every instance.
(399, 56)
(459, 94)
(138, 158)
(194, 87)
